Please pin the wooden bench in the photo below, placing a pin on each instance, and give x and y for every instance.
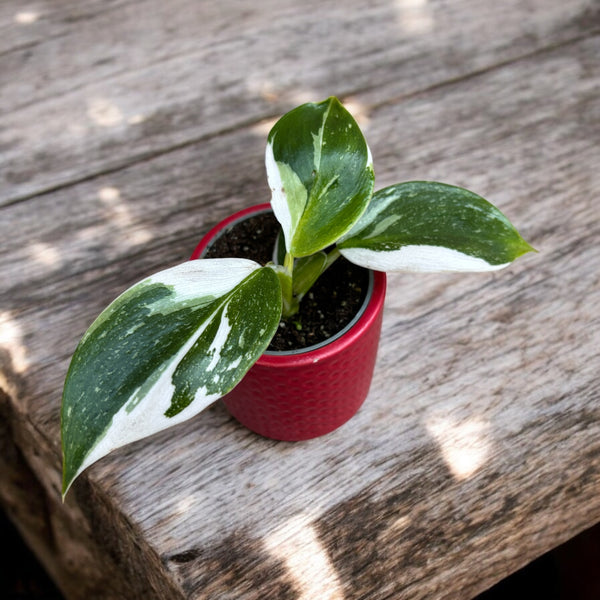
(129, 128)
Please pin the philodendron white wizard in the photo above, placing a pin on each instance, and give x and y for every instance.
(177, 341)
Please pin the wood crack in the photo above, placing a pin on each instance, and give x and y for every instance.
(452, 81)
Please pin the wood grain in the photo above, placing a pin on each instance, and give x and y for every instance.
(477, 449)
(97, 86)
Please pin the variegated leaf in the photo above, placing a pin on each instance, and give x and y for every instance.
(163, 351)
(428, 226)
(320, 172)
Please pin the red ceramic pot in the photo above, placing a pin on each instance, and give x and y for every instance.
(299, 395)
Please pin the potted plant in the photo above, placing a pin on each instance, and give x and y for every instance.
(183, 338)
(324, 350)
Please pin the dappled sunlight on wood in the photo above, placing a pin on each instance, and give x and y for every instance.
(400, 524)
(104, 112)
(109, 195)
(119, 214)
(26, 17)
(45, 254)
(185, 504)
(263, 128)
(359, 110)
(136, 119)
(11, 340)
(465, 445)
(297, 545)
(414, 16)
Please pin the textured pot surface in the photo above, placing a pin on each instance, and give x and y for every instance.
(309, 393)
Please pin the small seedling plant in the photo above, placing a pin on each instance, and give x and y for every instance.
(177, 341)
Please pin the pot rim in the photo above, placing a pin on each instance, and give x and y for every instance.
(347, 336)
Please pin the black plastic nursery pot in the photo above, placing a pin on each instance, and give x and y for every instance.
(299, 394)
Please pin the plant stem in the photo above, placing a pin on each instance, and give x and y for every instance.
(332, 257)
(288, 263)
(291, 300)
(286, 277)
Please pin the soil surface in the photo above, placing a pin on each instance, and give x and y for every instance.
(327, 308)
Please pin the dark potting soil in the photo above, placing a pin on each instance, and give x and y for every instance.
(327, 308)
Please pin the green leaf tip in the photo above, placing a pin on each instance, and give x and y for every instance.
(432, 227)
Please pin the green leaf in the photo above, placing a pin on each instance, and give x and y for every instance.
(429, 226)
(163, 351)
(320, 172)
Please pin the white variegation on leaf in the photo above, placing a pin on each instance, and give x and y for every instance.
(163, 351)
(432, 227)
(289, 195)
(420, 259)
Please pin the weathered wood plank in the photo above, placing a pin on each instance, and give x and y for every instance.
(479, 441)
(102, 85)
